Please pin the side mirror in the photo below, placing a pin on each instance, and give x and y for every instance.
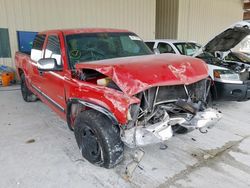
(156, 51)
(48, 64)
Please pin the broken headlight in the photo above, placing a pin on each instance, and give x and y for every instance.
(227, 76)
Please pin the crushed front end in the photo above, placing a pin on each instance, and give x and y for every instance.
(165, 110)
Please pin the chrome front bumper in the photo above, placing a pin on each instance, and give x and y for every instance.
(161, 131)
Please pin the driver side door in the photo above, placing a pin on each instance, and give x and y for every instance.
(53, 81)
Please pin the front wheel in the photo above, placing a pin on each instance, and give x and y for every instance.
(28, 96)
(98, 139)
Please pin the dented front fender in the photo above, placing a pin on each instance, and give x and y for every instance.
(106, 100)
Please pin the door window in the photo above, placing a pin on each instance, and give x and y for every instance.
(53, 49)
(36, 52)
(165, 48)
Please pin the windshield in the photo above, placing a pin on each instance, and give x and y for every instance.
(187, 48)
(98, 46)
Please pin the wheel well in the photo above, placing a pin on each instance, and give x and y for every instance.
(76, 106)
(72, 111)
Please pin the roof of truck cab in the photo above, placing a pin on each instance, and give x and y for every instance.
(86, 30)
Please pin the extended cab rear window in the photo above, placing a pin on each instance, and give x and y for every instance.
(36, 52)
(98, 46)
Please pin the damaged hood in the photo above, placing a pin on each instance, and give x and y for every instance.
(136, 74)
(229, 38)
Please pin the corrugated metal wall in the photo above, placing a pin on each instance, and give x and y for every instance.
(166, 19)
(200, 20)
(37, 15)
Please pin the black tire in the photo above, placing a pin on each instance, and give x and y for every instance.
(28, 96)
(98, 139)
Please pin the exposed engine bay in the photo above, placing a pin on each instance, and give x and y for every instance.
(240, 68)
(166, 110)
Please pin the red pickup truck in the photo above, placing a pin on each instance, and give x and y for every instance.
(111, 89)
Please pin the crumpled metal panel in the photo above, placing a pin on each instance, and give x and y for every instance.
(114, 101)
(136, 74)
(161, 131)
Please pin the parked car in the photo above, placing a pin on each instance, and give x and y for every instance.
(231, 79)
(112, 90)
(174, 46)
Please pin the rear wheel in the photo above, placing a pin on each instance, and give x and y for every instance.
(98, 139)
(28, 96)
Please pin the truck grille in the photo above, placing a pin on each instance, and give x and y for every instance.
(196, 91)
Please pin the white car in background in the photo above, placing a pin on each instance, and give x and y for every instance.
(231, 79)
(174, 46)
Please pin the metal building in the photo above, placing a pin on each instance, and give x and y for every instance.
(197, 20)
(183, 19)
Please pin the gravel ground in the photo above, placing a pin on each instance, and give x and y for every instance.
(38, 150)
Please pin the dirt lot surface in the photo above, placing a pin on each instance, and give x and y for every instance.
(38, 150)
